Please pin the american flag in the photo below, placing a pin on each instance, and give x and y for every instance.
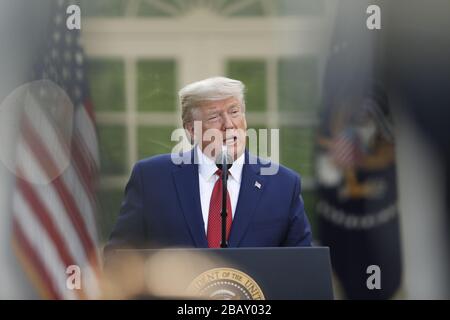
(53, 201)
(345, 149)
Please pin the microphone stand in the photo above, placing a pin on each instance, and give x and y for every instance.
(225, 166)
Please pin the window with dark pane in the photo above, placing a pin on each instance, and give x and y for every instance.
(112, 149)
(263, 138)
(146, 9)
(297, 83)
(253, 73)
(107, 84)
(153, 140)
(103, 8)
(251, 8)
(156, 85)
(297, 145)
(300, 7)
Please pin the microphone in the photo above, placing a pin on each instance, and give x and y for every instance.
(224, 160)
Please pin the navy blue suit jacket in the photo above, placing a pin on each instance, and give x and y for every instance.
(162, 208)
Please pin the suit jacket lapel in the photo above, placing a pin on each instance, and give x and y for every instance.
(186, 182)
(249, 195)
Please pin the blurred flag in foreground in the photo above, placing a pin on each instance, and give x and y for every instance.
(53, 201)
(357, 207)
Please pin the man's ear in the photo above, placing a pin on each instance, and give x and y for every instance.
(189, 128)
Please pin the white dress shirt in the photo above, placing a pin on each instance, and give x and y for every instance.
(207, 179)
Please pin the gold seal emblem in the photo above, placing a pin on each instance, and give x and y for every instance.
(225, 284)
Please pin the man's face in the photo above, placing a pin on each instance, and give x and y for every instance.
(227, 120)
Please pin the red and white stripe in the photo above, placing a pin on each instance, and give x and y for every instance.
(54, 204)
(345, 151)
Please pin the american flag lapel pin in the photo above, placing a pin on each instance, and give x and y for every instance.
(257, 184)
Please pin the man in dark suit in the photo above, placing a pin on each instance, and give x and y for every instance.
(174, 200)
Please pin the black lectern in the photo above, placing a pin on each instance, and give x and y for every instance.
(237, 273)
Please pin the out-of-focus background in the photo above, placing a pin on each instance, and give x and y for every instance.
(361, 116)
